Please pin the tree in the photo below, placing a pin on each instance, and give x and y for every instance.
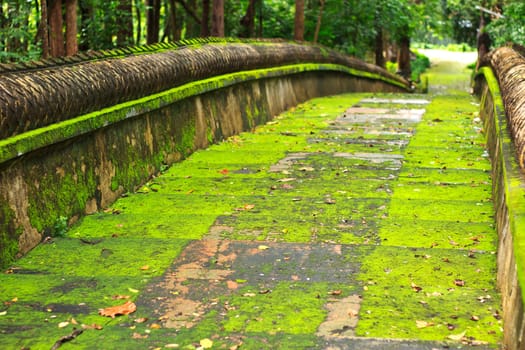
(319, 19)
(153, 21)
(44, 29)
(124, 23)
(56, 23)
(248, 20)
(217, 18)
(299, 20)
(71, 27)
(511, 27)
(205, 19)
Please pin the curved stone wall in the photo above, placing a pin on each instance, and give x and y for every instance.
(503, 124)
(81, 134)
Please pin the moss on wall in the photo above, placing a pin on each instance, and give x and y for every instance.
(82, 165)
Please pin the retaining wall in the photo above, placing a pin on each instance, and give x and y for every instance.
(503, 127)
(77, 135)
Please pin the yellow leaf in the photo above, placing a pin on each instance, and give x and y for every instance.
(263, 247)
(423, 324)
(63, 324)
(457, 337)
(206, 343)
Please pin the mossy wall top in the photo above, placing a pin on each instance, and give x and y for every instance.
(42, 93)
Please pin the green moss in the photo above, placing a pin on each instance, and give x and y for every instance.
(8, 235)
(408, 285)
(292, 308)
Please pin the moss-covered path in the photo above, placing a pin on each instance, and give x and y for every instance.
(350, 222)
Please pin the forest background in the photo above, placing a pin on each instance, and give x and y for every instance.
(379, 31)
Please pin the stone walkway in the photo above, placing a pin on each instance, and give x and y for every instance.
(356, 221)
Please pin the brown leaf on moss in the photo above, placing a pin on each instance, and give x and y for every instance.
(139, 336)
(459, 283)
(92, 326)
(124, 309)
(415, 287)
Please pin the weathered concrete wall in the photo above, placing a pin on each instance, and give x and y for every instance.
(509, 201)
(81, 165)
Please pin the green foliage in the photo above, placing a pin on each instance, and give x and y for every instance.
(18, 27)
(419, 65)
(60, 229)
(511, 28)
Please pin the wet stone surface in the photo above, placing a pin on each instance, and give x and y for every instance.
(349, 222)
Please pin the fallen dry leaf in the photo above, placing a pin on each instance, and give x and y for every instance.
(63, 324)
(263, 247)
(245, 207)
(172, 346)
(124, 309)
(155, 326)
(457, 337)
(224, 171)
(335, 292)
(459, 283)
(474, 318)
(92, 326)
(140, 320)
(423, 324)
(248, 295)
(119, 297)
(232, 284)
(145, 267)
(139, 336)
(287, 179)
(415, 287)
(206, 343)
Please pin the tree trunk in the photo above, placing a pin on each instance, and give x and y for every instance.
(44, 29)
(55, 28)
(299, 20)
(319, 19)
(153, 19)
(248, 20)
(217, 18)
(260, 27)
(205, 19)
(125, 23)
(403, 57)
(139, 23)
(2, 25)
(71, 28)
(380, 59)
